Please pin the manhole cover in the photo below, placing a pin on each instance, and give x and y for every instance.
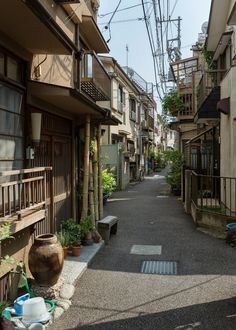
(159, 267)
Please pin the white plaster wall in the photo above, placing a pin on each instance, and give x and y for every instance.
(56, 70)
(228, 137)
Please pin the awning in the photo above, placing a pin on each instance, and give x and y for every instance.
(196, 137)
(208, 109)
(67, 99)
(183, 69)
(224, 41)
(90, 31)
(224, 106)
(232, 16)
(123, 132)
(31, 26)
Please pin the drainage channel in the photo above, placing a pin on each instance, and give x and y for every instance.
(159, 267)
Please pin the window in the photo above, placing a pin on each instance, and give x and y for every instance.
(120, 99)
(132, 109)
(13, 69)
(11, 125)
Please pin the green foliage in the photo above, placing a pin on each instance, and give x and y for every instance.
(3, 305)
(172, 103)
(64, 238)
(86, 225)
(173, 177)
(92, 147)
(108, 182)
(5, 231)
(208, 56)
(71, 228)
(158, 156)
(8, 260)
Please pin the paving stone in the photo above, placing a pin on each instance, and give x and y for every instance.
(65, 304)
(36, 326)
(67, 291)
(47, 292)
(58, 311)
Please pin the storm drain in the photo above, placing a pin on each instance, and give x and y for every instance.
(159, 267)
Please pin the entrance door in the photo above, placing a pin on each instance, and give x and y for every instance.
(55, 150)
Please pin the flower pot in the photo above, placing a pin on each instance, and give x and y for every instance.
(46, 259)
(65, 250)
(75, 250)
(88, 236)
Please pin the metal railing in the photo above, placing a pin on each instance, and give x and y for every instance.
(209, 80)
(214, 194)
(146, 87)
(150, 121)
(95, 81)
(21, 191)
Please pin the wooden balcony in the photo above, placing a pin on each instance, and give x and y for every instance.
(188, 111)
(23, 196)
(95, 81)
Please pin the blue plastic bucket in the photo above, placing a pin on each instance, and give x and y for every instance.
(230, 226)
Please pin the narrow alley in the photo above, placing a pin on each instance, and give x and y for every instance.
(114, 294)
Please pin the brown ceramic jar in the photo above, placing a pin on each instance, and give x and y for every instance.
(46, 258)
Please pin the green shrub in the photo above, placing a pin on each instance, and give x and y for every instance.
(172, 103)
(86, 225)
(5, 231)
(108, 182)
(72, 230)
(173, 177)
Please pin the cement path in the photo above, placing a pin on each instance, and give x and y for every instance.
(113, 294)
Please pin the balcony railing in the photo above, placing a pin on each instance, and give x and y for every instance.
(22, 192)
(150, 122)
(209, 80)
(95, 81)
(214, 194)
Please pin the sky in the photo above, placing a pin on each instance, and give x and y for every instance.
(126, 29)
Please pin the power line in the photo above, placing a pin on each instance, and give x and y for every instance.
(152, 50)
(123, 9)
(109, 23)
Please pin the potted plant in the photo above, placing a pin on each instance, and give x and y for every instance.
(63, 238)
(73, 230)
(172, 103)
(75, 244)
(86, 227)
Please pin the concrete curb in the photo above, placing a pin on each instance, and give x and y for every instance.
(73, 269)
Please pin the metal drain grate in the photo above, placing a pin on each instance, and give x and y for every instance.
(159, 267)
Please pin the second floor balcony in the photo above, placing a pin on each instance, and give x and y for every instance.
(95, 81)
(208, 94)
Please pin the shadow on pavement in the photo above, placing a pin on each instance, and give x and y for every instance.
(215, 315)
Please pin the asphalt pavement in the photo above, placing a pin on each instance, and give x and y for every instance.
(114, 294)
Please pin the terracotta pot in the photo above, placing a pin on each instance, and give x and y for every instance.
(88, 236)
(46, 259)
(75, 250)
(65, 250)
